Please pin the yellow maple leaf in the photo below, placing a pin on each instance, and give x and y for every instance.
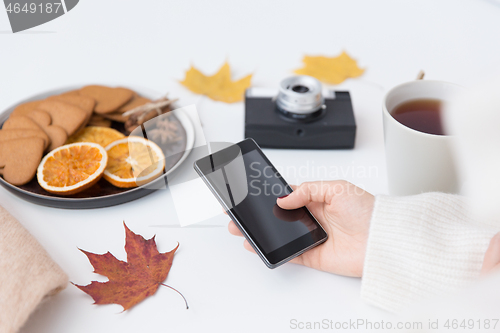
(333, 70)
(219, 86)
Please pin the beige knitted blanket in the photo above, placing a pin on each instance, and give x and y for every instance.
(27, 274)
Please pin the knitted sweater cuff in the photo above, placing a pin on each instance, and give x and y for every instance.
(420, 246)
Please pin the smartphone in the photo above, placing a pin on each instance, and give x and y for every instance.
(247, 186)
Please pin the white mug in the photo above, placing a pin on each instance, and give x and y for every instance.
(418, 162)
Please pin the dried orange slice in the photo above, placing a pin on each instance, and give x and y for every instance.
(101, 135)
(72, 168)
(133, 161)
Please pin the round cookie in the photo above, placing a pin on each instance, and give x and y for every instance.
(107, 99)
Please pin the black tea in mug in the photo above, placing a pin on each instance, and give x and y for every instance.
(423, 115)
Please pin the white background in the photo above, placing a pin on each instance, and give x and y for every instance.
(151, 44)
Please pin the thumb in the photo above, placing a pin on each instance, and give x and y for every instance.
(492, 255)
(307, 193)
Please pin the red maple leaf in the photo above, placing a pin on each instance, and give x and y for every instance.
(132, 281)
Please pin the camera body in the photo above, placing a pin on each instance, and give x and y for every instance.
(295, 121)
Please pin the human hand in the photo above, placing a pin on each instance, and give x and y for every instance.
(492, 256)
(344, 210)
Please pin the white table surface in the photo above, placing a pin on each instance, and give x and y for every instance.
(151, 44)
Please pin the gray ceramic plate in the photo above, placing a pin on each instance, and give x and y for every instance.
(104, 194)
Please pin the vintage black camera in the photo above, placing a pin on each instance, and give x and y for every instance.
(300, 116)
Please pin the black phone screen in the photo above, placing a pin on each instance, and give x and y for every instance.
(249, 186)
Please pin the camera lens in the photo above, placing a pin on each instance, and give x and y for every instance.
(300, 96)
(300, 89)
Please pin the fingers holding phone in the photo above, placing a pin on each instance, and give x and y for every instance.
(247, 186)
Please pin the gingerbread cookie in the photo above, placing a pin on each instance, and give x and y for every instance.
(71, 92)
(20, 133)
(40, 117)
(67, 116)
(57, 134)
(19, 159)
(85, 103)
(24, 122)
(107, 99)
(97, 120)
(133, 103)
(25, 108)
(116, 117)
(20, 122)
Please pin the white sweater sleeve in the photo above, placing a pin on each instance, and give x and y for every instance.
(420, 246)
